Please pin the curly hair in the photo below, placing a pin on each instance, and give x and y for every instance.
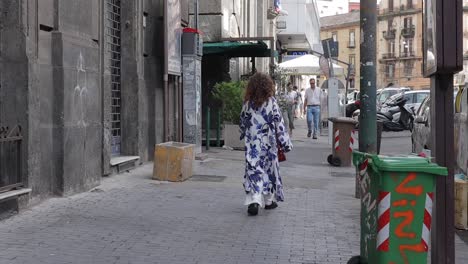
(259, 89)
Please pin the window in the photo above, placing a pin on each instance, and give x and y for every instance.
(424, 109)
(408, 22)
(352, 83)
(352, 38)
(420, 97)
(409, 98)
(408, 69)
(390, 71)
(390, 5)
(335, 36)
(409, 4)
(391, 47)
(352, 59)
(390, 24)
(407, 47)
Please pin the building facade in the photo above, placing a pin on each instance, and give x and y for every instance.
(354, 5)
(399, 44)
(332, 7)
(82, 90)
(345, 29)
(300, 29)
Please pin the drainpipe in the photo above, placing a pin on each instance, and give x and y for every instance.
(195, 13)
(166, 77)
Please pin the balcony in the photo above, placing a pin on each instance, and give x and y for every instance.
(408, 32)
(407, 55)
(352, 44)
(388, 56)
(390, 34)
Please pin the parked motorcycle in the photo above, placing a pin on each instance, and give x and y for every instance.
(397, 116)
(352, 107)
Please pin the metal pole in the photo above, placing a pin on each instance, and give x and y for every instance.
(166, 77)
(218, 128)
(347, 86)
(208, 127)
(443, 149)
(330, 61)
(367, 118)
(195, 13)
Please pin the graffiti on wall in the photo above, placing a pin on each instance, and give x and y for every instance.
(80, 92)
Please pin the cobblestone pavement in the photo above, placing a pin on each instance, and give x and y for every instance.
(133, 219)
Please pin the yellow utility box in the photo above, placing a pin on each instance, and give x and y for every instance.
(461, 204)
(173, 161)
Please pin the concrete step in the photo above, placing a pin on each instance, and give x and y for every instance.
(123, 163)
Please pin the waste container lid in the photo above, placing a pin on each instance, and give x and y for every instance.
(342, 120)
(409, 163)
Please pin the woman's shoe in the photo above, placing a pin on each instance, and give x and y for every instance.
(253, 209)
(273, 205)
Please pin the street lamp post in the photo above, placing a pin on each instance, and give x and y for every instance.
(367, 117)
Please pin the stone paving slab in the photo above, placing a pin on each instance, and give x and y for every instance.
(133, 219)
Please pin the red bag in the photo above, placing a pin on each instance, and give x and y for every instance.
(281, 155)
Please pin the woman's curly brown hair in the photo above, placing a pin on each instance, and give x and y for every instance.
(259, 89)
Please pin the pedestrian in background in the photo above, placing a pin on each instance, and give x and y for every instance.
(299, 104)
(264, 132)
(303, 113)
(283, 105)
(312, 106)
(291, 100)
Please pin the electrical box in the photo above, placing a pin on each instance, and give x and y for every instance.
(192, 43)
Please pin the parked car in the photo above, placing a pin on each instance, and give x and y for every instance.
(421, 135)
(384, 94)
(413, 99)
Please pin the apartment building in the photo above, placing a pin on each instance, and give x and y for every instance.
(399, 44)
(345, 29)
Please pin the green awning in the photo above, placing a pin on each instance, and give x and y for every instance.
(237, 49)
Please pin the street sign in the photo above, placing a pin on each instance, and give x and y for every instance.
(442, 34)
(330, 48)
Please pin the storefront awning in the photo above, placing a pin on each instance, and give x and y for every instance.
(237, 49)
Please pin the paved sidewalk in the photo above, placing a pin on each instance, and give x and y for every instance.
(133, 219)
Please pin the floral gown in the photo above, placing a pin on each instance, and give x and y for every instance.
(261, 127)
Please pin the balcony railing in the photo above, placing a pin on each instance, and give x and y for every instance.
(10, 157)
(387, 56)
(408, 32)
(407, 54)
(390, 34)
(352, 44)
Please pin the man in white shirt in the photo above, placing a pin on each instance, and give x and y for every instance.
(312, 108)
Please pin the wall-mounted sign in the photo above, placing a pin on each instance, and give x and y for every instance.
(281, 25)
(298, 53)
(173, 38)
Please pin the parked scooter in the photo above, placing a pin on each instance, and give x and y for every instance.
(398, 116)
(352, 107)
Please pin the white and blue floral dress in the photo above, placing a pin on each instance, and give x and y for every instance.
(263, 128)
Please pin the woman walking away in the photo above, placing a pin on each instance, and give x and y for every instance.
(264, 132)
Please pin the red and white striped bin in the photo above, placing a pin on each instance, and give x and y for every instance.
(344, 139)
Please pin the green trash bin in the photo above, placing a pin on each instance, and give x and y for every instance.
(396, 207)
